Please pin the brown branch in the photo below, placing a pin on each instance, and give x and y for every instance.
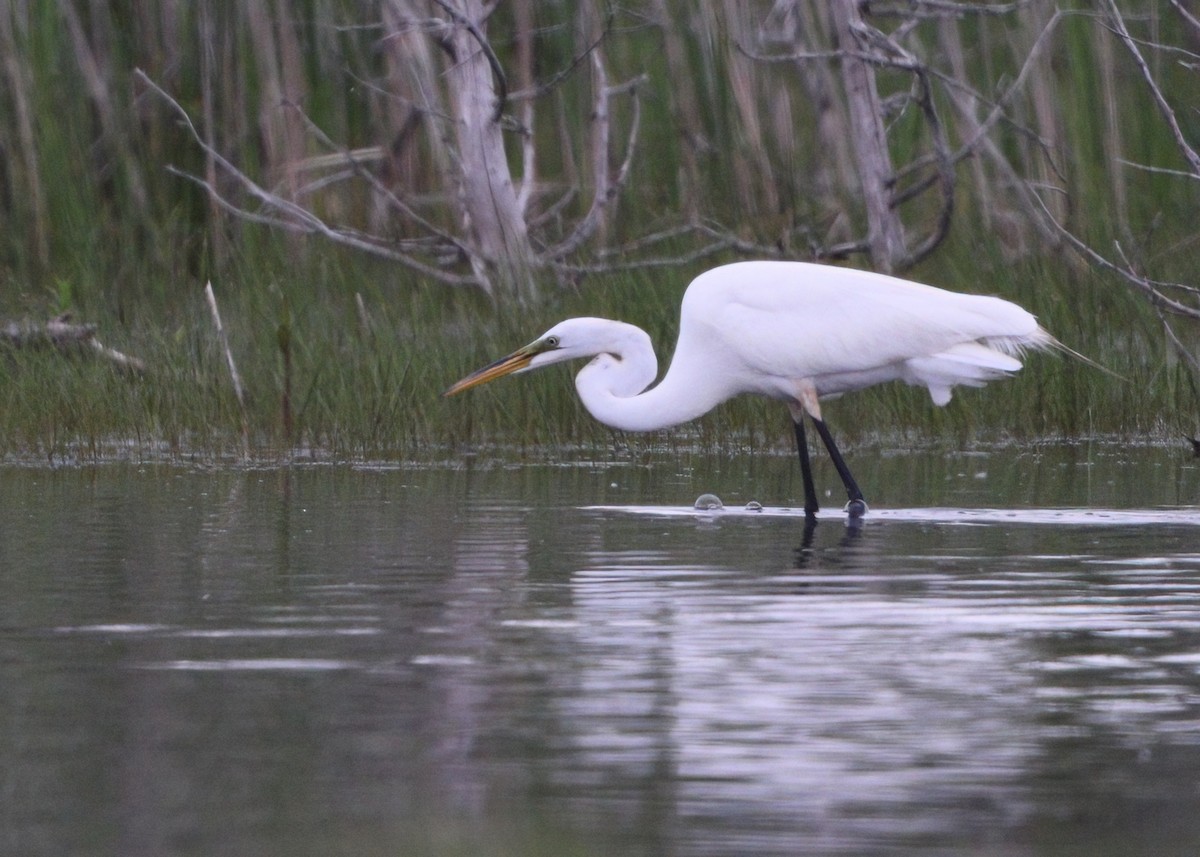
(944, 174)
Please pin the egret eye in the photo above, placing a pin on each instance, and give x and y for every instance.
(551, 341)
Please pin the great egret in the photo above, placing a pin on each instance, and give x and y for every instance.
(791, 331)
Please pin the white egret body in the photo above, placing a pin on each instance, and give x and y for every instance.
(791, 331)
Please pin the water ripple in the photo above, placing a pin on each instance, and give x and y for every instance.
(1181, 516)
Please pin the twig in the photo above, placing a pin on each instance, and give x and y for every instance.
(941, 8)
(233, 371)
(355, 162)
(1186, 15)
(364, 320)
(125, 361)
(1151, 288)
(548, 86)
(1180, 348)
(224, 338)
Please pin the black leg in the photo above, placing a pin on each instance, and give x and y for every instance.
(857, 507)
(810, 494)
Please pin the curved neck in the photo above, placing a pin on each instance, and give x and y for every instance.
(609, 385)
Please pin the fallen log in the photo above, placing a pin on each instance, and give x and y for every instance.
(62, 334)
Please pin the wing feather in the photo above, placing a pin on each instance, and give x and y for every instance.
(800, 320)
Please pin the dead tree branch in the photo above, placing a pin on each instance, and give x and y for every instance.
(1155, 290)
(497, 219)
(282, 213)
(64, 335)
(1190, 154)
(885, 231)
(606, 187)
(862, 49)
(501, 80)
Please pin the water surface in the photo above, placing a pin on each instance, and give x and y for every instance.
(534, 659)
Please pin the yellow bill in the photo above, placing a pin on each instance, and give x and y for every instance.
(514, 362)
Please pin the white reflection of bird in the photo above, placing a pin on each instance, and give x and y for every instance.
(791, 331)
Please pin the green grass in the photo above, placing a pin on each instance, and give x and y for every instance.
(372, 391)
(129, 247)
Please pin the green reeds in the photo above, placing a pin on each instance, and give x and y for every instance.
(320, 385)
(345, 357)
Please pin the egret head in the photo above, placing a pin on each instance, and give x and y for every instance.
(567, 340)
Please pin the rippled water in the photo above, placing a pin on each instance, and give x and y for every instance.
(526, 659)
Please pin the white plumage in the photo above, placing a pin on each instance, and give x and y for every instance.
(791, 331)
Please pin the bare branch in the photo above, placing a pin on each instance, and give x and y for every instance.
(601, 124)
(606, 188)
(793, 56)
(639, 244)
(720, 240)
(264, 196)
(223, 338)
(903, 60)
(1187, 16)
(354, 161)
(945, 9)
(704, 252)
(528, 159)
(1153, 289)
(868, 136)
(291, 217)
(1149, 168)
(65, 335)
(548, 86)
(1164, 107)
(313, 225)
(1182, 350)
(944, 174)
(556, 208)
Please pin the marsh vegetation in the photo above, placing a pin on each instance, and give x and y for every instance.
(321, 189)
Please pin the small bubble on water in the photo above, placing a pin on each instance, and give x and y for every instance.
(708, 502)
(754, 506)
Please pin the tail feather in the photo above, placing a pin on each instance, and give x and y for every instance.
(973, 364)
(1041, 340)
(1016, 346)
(970, 364)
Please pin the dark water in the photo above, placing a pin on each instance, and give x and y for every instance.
(529, 659)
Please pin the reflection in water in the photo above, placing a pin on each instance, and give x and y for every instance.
(877, 699)
(332, 661)
(823, 704)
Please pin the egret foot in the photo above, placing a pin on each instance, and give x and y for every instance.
(856, 508)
